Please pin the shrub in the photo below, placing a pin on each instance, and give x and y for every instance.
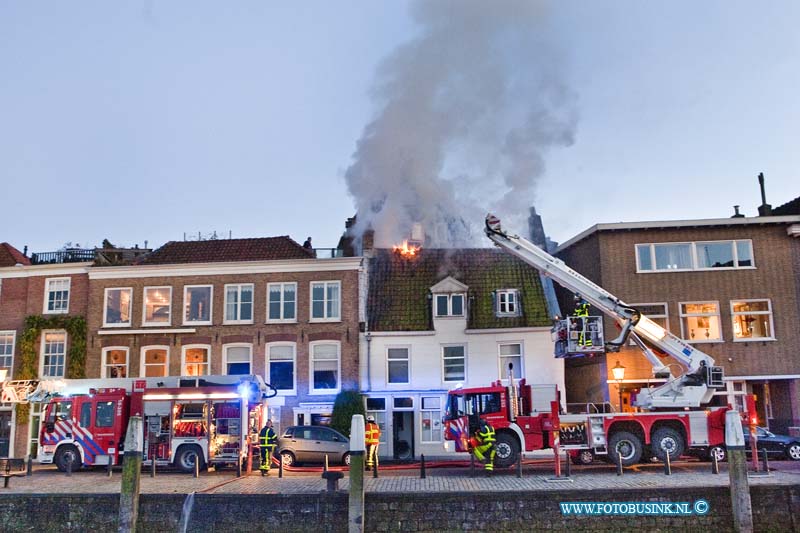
(347, 404)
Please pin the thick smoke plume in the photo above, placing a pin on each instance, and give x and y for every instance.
(466, 113)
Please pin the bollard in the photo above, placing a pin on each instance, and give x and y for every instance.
(619, 465)
(109, 465)
(325, 468)
(152, 465)
(30, 466)
(280, 467)
(239, 467)
(741, 505)
(568, 466)
(197, 466)
(69, 467)
(375, 471)
(355, 505)
(422, 467)
(471, 465)
(766, 462)
(131, 476)
(519, 465)
(714, 464)
(667, 465)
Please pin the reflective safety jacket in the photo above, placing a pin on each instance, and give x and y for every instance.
(485, 433)
(372, 433)
(267, 438)
(582, 309)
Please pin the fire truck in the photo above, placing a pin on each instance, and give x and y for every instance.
(205, 420)
(676, 417)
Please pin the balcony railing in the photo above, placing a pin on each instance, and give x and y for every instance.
(328, 253)
(70, 255)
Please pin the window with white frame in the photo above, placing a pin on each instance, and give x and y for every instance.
(117, 307)
(238, 359)
(157, 306)
(454, 362)
(282, 302)
(449, 305)
(510, 353)
(700, 321)
(53, 354)
(281, 367)
(507, 302)
(115, 362)
(155, 361)
(239, 304)
(752, 320)
(398, 365)
(325, 300)
(56, 295)
(657, 312)
(7, 339)
(431, 419)
(703, 255)
(197, 301)
(196, 360)
(324, 367)
(376, 407)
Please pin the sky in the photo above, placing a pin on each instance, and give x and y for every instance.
(143, 121)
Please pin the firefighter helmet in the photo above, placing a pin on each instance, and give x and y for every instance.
(370, 418)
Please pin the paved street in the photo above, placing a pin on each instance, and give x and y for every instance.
(393, 479)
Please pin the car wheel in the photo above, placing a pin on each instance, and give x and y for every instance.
(583, 457)
(288, 459)
(626, 446)
(793, 451)
(718, 452)
(506, 450)
(188, 457)
(346, 459)
(67, 454)
(667, 441)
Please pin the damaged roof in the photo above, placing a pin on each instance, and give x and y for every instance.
(227, 250)
(399, 288)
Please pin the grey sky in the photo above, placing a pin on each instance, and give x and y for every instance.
(142, 121)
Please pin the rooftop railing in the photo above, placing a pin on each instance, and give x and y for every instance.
(69, 255)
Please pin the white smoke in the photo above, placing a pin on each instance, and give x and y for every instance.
(467, 112)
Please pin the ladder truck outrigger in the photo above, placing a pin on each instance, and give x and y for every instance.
(676, 417)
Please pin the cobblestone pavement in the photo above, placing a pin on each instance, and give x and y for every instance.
(650, 476)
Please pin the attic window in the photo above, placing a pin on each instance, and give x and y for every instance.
(449, 305)
(507, 302)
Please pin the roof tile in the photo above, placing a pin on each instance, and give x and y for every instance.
(224, 250)
(10, 256)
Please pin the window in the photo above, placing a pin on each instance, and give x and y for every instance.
(282, 301)
(54, 353)
(397, 365)
(195, 360)
(431, 417)
(511, 353)
(56, 295)
(86, 415)
(377, 408)
(157, 306)
(104, 415)
(118, 308)
(281, 367)
(707, 255)
(700, 322)
(449, 305)
(454, 362)
(752, 320)
(155, 361)
(238, 359)
(325, 301)
(507, 302)
(657, 312)
(115, 362)
(324, 367)
(239, 304)
(197, 300)
(7, 339)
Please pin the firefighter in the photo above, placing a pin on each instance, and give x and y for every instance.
(267, 440)
(484, 445)
(582, 311)
(372, 437)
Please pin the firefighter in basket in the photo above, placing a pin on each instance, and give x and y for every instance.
(582, 312)
(267, 440)
(372, 437)
(482, 444)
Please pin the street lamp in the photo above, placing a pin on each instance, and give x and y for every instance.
(619, 374)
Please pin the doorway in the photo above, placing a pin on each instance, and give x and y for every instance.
(5, 433)
(403, 435)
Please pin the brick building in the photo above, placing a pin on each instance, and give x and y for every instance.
(730, 286)
(262, 306)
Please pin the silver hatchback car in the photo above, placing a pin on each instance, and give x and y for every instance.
(310, 444)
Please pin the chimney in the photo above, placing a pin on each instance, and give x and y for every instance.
(764, 210)
(736, 213)
(536, 230)
(368, 242)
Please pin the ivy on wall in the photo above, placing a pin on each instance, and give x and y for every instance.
(75, 326)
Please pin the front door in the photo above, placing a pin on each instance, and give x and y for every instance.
(403, 434)
(5, 433)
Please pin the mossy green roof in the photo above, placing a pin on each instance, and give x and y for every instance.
(399, 288)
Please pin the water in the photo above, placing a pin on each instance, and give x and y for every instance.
(186, 513)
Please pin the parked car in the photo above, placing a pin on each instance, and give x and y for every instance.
(310, 444)
(782, 446)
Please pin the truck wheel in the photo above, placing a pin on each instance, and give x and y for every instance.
(583, 457)
(187, 457)
(66, 454)
(625, 445)
(506, 450)
(667, 440)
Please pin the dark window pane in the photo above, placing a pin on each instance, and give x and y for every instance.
(457, 305)
(745, 253)
(104, 416)
(281, 375)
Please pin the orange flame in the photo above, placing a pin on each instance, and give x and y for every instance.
(407, 250)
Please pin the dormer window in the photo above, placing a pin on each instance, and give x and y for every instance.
(449, 305)
(507, 302)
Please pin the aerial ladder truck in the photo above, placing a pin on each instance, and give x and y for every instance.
(675, 416)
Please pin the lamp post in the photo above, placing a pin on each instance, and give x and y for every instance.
(619, 374)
